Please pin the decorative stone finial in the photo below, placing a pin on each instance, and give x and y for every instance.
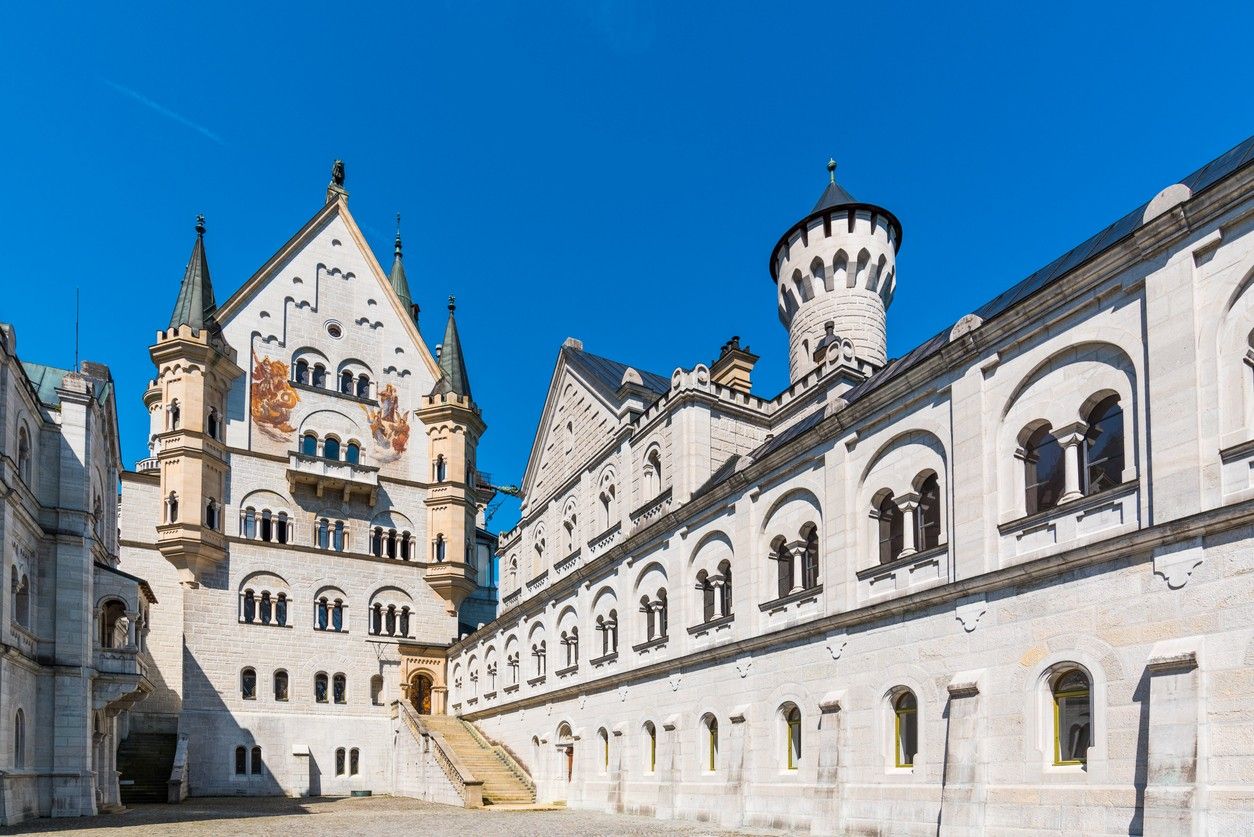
(452, 303)
(337, 173)
(831, 169)
(200, 224)
(398, 235)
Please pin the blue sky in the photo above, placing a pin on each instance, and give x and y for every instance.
(616, 171)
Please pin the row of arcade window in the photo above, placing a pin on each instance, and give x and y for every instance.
(316, 375)
(353, 760)
(330, 449)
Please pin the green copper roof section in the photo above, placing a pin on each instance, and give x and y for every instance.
(397, 278)
(195, 305)
(453, 377)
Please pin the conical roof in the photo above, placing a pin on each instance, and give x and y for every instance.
(453, 377)
(195, 305)
(397, 277)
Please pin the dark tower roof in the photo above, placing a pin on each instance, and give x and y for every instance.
(453, 377)
(397, 278)
(834, 194)
(195, 305)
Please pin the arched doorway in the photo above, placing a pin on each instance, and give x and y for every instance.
(566, 746)
(420, 693)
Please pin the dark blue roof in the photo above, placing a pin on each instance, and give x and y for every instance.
(608, 374)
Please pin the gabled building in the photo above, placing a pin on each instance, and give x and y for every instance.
(308, 518)
(1000, 584)
(73, 626)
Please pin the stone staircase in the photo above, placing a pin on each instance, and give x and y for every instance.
(501, 785)
(145, 760)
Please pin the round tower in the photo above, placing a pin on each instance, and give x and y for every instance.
(835, 273)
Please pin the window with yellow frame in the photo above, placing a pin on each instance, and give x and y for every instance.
(905, 728)
(712, 744)
(1072, 717)
(650, 732)
(792, 720)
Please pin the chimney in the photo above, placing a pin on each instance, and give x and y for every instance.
(733, 366)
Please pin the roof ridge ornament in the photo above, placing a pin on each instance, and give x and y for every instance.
(398, 235)
(335, 189)
(831, 170)
(200, 225)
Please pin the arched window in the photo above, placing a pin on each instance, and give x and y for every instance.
(257, 766)
(319, 375)
(250, 523)
(604, 737)
(302, 371)
(172, 507)
(810, 560)
(403, 627)
(707, 596)
(607, 506)
(331, 448)
(353, 760)
(211, 424)
(376, 542)
(792, 732)
(322, 614)
(1072, 717)
(650, 747)
(20, 588)
(23, 454)
(339, 688)
(267, 525)
(280, 527)
(376, 620)
(346, 382)
(439, 547)
(783, 566)
(906, 728)
(928, 515)
(711, 743)
(441, 468)
(309, 444)
(19, 739)
(250, 606)
(280, 685)
(211, 514)
(176, 415)
(892, 533)
(248, 684)
(267, 607)
(407, 545)
(241, 761)
(376, 690)
(280, 609)
(363, 386)
(653, 472)
(320, 687)
(339, 761)
(324, 533)
(352, 453)
(1103, 446)
(391, 543)
(1044, 466)
(725, 570)
(338, 536)
(110, 635)
(337, 615)
(390, 620)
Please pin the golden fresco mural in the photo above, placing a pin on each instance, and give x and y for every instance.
(389, 425)
(273, 398)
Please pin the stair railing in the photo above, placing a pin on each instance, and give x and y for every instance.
(502, 752)
(177, 783)
(467, 786)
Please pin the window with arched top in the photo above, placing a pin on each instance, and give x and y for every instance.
(321, 683)
(650, 747)
(113, 630)
(810, 559)
(928, 515)
(213, 424)
(891, 529)
(280, 685)
(363, 386)
(1073, 716)
(172, 507)
(441, 468)
(241, 761)
(339, 688)
(19, 589)
(19, 739)
(23, 454)
(352, 453)
(319, 375)
(603, 737)
(653, 473)
(353, 761)
(346, 382)
(331, 448)
(340, 754)
(176, 415)
(1044, 470)
(258, 766)
(309, 444)
(709, 726)
(211, 514)
(782, 557)
(905, 708)
(440, 548)
(248, 684)
(792, 736)
(301, 371)
(1103, 446)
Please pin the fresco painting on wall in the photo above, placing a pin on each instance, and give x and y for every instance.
(272, 398)
(389, 425)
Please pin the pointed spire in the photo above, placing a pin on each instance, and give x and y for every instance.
(195, 305)
(833, 194)
(397, 278)
(453, 377)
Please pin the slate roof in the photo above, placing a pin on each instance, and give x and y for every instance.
(453, 377)
(195, 305)
(608, 374)
(833, 195)
(46, 379)
(398, 281)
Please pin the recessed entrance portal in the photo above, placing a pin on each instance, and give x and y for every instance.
(420, 693)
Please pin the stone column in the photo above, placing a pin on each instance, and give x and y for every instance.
(909, 505)
(667, 773)
(963, 782)
(1071, 437)
(717, 584)
(733, 814)
(1171, 786)
(829, 775)
(796, 550)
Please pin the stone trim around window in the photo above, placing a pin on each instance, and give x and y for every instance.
(712, 625)
(562, 672)
(656, 642)
(604, 658)
(537, 681)
(811, 593)
(511, 688)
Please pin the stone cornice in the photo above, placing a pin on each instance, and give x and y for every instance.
(1136, 547)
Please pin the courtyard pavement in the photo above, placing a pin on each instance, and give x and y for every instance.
(373, 816)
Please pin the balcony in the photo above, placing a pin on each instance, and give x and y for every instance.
(149, 464)
(332, 478)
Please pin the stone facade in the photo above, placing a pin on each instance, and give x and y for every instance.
(1002, 584)
(287, 519)
(72, 625)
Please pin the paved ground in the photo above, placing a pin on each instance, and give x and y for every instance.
(376, 816)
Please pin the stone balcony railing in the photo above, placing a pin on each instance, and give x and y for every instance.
(650, 511)
(149, 464)
(606, 539)
(330, 477)
(120, 661)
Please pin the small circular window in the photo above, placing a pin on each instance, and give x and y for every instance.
(334, 330)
